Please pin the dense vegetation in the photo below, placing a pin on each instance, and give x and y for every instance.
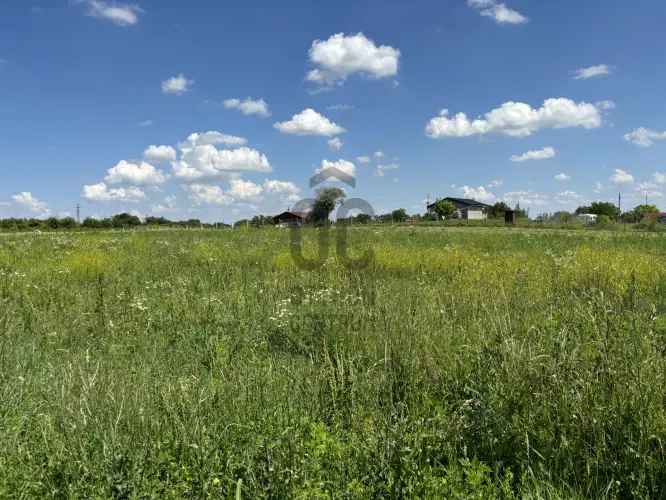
(463, 363)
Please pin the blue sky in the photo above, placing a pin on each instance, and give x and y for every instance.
(574, 89)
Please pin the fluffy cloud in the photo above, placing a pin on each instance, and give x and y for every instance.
(499, 12)
(379, 155)
(208, 162)
(381, 170)
(659, 177)
(206, 194)
(101, 192)
(568, 197)
(118, 13)
(363, 159)
(132, 173)
(211, 137)
(495, 183)
(621, 177)
(525, 198)
(335, 144)
(241, 191)
(341, 56)
(309, 122)
(27, 200)
(343, 165)
(479, 194)
(591, 72)
(517, 119)
(562, 177)
(649, 189)
(644, 137)
(249, 106)
(177, 85)
(160, 154)
(285, 189)
(244, 190)
(539, 154)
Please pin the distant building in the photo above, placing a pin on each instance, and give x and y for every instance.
(465, 208)
(661, 218)
(290, 219)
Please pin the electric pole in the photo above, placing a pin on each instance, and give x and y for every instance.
(78, 213)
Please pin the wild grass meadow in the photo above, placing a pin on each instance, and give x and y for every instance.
(464, 363)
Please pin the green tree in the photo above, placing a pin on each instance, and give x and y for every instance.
(610, 210)
(640, 213)
(399, 215)
(91, 223)
(67, 223)
(125, 220)
(444, 209)
(52, 223)
(498, 210)
(326, 201)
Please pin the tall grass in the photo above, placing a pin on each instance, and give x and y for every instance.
(464, 363)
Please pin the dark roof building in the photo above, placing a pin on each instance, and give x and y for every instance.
(463, 204)
(465, 208)
(290, 218)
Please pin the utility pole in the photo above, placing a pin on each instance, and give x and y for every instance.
(619, 202)
(78, 213)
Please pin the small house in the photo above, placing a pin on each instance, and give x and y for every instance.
(465, 208)
(661, 218)
(289, 219)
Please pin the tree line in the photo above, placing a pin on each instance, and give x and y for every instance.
(327, 199)
(118, 221)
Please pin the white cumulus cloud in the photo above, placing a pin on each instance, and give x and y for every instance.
(335, 144)
(288, 190)
(249, 106)
(517, 119)
(159, 154)
(309, 122)
(27, 200)
(206, 194)
(120, 14)
(591, 72)
(363, 159)
(381, 170)
(177, 85)
(479, 194)
(244, 190)
(101, 192)
(209, 162)
(539, 154)
(644, 137)
(562, 177)
(343, 55)
(659, 177)
(497, 11)
(525, 198)
(211, 137)
(621, 177)
(343, 165)
(135, 173)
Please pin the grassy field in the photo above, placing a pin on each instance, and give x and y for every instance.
(463, 363)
